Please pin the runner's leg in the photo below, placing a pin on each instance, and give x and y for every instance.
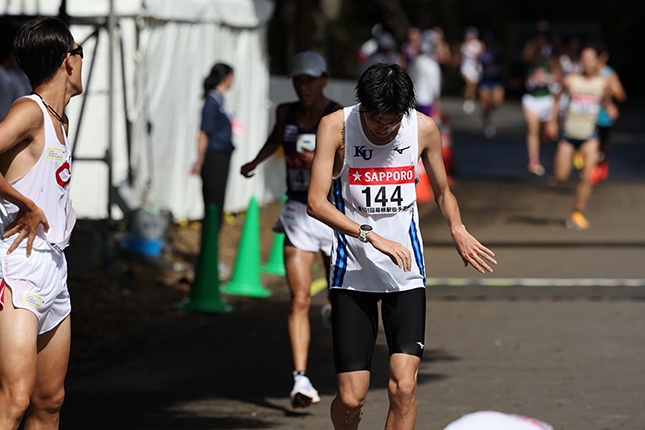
(18, 340)
(298, 266)
(49, 393)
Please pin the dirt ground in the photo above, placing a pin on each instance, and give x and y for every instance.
(134, 301)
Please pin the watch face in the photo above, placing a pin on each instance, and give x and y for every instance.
(362, 234)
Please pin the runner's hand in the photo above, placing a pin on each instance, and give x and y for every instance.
(398, 253)
(26, 224)
(247, 170)
(472, 252)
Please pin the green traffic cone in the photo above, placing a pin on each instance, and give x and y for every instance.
(275, 263)
(245, 280)
(205, 294)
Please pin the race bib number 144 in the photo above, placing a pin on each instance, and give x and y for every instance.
(382, 190)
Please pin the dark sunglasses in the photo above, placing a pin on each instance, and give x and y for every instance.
(77, 51)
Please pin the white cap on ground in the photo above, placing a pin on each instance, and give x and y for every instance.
(491, 420)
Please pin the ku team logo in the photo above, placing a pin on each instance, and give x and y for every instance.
(365, 154)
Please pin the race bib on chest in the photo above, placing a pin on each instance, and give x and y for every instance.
(382, 189)
(298, 175)
(306, 141)
(584, 104)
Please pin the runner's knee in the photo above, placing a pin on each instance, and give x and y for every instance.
(300, 301)
(402, 389)
(16, 400)
(350, 401)
(50, 403)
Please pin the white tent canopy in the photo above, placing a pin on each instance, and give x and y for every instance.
(162, 51)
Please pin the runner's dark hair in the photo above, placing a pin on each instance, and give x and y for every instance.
(384, 89)
(40, 47)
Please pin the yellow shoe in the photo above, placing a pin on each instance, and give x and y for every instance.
(577, 221)
(578, 160)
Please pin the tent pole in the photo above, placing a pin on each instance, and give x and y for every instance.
(75, 142)
(111, 25)
(62, 12)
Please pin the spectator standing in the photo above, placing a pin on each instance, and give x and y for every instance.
(215, 144)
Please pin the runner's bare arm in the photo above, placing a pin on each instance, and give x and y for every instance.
(20, 127)
(470, 250)
(272, 144)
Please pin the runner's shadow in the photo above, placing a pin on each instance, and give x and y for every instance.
(214, 376)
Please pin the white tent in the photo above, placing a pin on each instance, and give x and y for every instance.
(159, 55)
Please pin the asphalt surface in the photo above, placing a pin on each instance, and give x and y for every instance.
(557, 332)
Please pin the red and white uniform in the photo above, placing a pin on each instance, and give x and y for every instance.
(47, 184)
(39, 282)
(376, 186)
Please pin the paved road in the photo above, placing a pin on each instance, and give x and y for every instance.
(557, 332)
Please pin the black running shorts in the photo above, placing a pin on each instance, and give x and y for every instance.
(355, 325)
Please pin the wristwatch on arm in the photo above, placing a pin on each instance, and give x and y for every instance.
(362, 232)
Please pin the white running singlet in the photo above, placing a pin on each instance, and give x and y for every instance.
(39, 282)
(376, 186)
(47, 184)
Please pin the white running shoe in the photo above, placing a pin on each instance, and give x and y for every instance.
(303, 393)
(469, 107)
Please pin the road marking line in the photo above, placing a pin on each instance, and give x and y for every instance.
(535, 282)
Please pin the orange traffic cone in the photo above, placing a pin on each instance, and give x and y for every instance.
(424, 189)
